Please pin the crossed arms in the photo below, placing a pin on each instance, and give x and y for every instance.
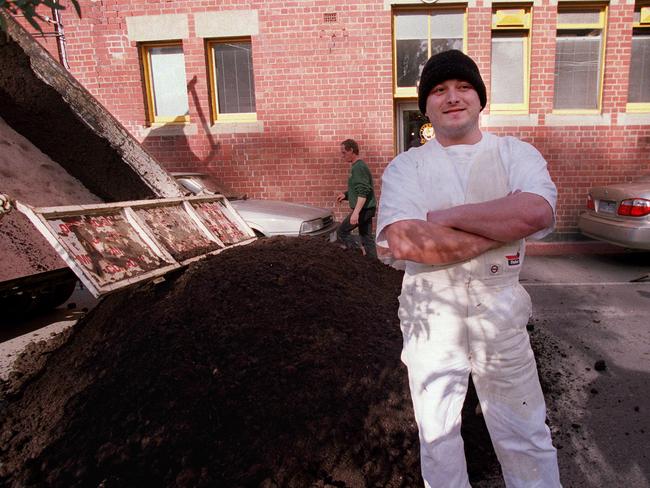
(463, 232)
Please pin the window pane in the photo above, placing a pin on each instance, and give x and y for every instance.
(508, 58)
(167, 66)
(234, 77)
(411, 57)
(577, 70)
(639, 90)
(412, 41)
(411, 33)
(579, 17)
(446, 31)
(439, 45)
(411, 26)
(447, 25)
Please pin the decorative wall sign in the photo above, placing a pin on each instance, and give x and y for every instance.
(426, 133)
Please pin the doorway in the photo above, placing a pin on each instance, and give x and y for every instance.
(413, 128)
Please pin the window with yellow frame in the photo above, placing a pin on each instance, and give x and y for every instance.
(232, 85)
(419, 34)
(165, 82)
(579, 58)
(510, 60)
(638, 95)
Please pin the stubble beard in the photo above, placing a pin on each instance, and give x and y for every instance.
(458, 132)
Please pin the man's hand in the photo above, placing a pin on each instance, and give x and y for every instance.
(515, 216)
(431, 243)
(440, 217)
(340, 197)
(356, 211)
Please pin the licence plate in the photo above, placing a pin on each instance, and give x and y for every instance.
(607, 206)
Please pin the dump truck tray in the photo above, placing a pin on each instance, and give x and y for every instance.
(113, 245)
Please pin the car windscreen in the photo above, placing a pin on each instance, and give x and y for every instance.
(192, 185)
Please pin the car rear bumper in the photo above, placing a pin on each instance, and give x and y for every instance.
(635, 235)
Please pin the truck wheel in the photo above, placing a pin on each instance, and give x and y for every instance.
(57, 295)
(34, 294)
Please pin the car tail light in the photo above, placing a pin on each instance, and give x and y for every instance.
(634, 207)
(590, 203)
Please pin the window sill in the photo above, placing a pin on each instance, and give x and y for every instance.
(237, 127)
(509, 120)
(635, 118)
(169, 130)
(638, 108)
(405, 92)
(563, 120)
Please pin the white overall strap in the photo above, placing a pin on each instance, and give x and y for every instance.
(445, 273)
(488, 180)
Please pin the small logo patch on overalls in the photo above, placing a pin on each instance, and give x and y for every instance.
(513, 260)
(494, 268)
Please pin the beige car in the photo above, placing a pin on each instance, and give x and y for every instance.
(619, 214)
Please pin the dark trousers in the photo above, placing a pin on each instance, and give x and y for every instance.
(365, 232)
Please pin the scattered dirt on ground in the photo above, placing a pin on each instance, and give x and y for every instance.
(274, 364)
(564, 384)
(556, 378)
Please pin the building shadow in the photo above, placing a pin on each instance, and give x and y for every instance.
(595, 367)
(171, 145)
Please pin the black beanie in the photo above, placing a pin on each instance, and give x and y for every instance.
(449, 65)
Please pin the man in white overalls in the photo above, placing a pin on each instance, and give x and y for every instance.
(457, 211)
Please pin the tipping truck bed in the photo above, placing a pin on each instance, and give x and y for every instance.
(113, 245)
(32, 177)
(32, 274)
(58, 146)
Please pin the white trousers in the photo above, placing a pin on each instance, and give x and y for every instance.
(452, 331)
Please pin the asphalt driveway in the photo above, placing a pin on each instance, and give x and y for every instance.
(593, 314)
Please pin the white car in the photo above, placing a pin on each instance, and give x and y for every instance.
(267, 217)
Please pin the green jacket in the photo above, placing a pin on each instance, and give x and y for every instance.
(360, 185)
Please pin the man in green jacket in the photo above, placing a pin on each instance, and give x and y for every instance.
(361, 196)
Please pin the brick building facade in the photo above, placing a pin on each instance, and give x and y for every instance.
(571, 78)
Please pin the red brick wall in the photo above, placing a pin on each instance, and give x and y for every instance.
(319, 83)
